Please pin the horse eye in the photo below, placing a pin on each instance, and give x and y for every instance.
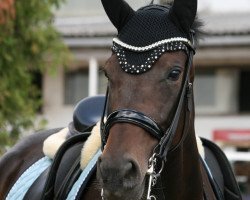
(174, 75)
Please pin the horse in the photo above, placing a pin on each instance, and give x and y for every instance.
(148, 142)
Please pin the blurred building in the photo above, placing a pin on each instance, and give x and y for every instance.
(222, 63)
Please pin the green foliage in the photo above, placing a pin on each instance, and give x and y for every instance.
(28, 44)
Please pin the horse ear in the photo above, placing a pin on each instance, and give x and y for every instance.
(118, 11)
(183, 13)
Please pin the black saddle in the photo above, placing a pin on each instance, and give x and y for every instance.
(222, 177)
(88, 112)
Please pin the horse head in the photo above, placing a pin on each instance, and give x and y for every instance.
(149, 74)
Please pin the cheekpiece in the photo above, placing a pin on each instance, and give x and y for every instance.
(150, 54)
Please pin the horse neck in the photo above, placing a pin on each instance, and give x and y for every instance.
(181, 177)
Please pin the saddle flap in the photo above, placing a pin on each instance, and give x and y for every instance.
(221, 170)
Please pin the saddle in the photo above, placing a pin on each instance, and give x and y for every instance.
(220, 173)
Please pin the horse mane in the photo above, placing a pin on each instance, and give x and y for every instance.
(197, 27)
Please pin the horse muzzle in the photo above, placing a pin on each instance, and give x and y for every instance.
(120, 178)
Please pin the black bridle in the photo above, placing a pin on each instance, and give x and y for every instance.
(140, 119)
(147, 123)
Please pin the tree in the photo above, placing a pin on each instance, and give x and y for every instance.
(29, 43)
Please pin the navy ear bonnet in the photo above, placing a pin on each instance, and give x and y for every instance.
(148, 34)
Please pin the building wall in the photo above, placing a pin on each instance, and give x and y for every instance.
(56, 109)
(220, 62)
(216, 89)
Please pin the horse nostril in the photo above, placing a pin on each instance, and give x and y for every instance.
(127, 169)
(128, 166)
(130, 170)
(113, 172)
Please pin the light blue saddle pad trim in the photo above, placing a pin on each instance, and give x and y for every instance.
(76, 187)
(24, 182)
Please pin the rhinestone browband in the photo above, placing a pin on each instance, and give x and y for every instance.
(154, 52)
(152, 46)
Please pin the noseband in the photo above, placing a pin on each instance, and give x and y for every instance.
(148, 124)
(132, 117)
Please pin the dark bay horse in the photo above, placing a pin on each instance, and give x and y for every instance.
(148, 140)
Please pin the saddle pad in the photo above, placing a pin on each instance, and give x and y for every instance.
(24, 182)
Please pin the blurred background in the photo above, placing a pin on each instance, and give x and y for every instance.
(83, 36)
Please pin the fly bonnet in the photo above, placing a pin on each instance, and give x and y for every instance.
(144, 35)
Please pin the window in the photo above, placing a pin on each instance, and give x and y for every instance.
(244, 94)
(205, 86)
(215, 91)
(76, 86)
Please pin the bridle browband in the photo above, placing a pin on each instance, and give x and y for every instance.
(148, 124)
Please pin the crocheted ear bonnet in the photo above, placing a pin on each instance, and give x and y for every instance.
(144, 35)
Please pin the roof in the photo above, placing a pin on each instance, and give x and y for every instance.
(226, 24)
(221, 29)
(84, 26)
(214, 24)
